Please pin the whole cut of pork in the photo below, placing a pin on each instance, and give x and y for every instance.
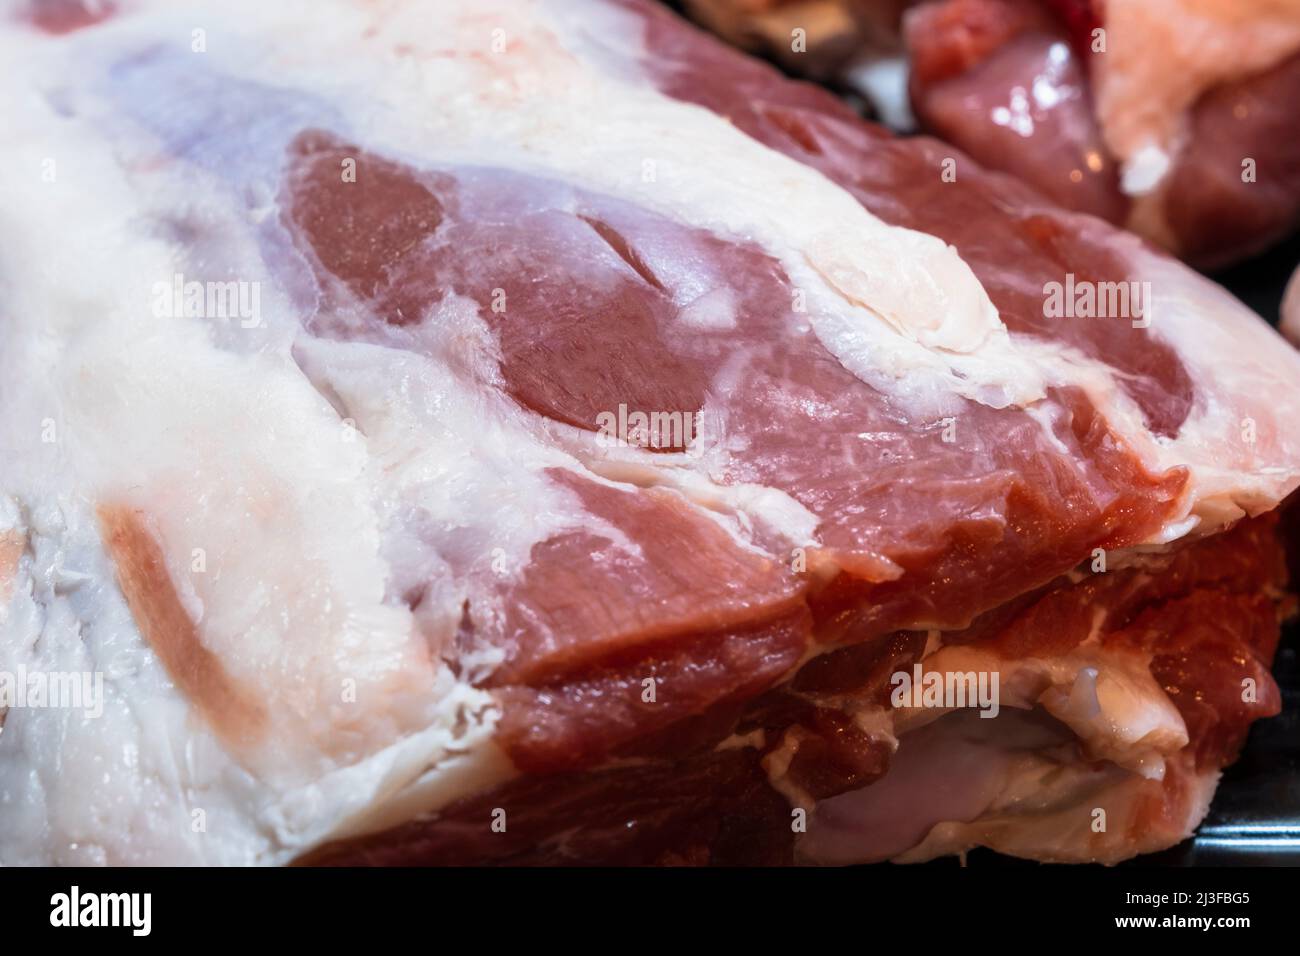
(535, 432)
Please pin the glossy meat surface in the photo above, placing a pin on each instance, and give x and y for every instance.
(600, 421)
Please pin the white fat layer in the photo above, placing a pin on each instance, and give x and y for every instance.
(544, 88)
(1107, 697)
(1048, 813)
(1020, 784)
(470, 499)
(274, 546)
(1241, 441)
(1012, 784)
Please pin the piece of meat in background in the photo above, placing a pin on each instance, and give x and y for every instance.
(1173, 118)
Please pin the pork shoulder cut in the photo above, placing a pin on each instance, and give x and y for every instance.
(536, 432)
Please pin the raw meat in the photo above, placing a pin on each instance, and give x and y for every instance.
(1173, 118)
(534, 432)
